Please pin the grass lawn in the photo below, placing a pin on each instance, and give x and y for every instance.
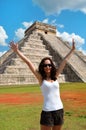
(27, 116)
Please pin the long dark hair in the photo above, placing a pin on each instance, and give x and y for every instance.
(42, 72)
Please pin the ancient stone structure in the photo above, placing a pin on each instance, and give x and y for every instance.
(40, 40)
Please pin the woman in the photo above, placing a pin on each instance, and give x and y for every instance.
(47, 75)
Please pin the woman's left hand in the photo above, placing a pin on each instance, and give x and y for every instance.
(73, 44)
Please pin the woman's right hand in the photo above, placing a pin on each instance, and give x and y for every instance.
(13, 46)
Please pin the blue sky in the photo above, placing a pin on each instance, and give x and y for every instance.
(68, 16)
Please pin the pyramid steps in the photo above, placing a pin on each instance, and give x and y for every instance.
(76, 62)
(15, 79)
(40, 41)
(15, 71)
(34, 44)
(36, 50)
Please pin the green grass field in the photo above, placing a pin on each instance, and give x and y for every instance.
(27, 117)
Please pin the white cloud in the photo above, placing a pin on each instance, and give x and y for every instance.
(56, 6)
(84, 10)
(60, 25)
(78, 40)
(67, 37)
(53, 22)
(1, 53)
(27, 24)
(19, 33)
(81, 49)
(3, 36)
(45, 20)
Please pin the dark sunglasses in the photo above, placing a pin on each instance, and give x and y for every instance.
(45, 65)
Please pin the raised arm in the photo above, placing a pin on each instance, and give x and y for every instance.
(66, 58)
(14, 47)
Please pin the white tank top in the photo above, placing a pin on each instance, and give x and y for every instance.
(52, 100)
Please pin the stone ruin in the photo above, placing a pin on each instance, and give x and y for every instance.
(40, 41)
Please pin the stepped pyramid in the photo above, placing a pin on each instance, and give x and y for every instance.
(40, 40)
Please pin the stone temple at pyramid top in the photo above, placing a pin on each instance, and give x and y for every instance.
(41, 28)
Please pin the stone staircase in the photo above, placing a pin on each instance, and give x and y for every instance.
(40, 41)
(77, 63)
(14, 71)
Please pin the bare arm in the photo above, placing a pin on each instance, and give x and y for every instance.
(63, 63)
(14, 47)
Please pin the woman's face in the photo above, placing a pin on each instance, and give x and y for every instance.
(47, 66)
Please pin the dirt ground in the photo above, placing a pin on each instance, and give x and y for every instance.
(77, 99)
